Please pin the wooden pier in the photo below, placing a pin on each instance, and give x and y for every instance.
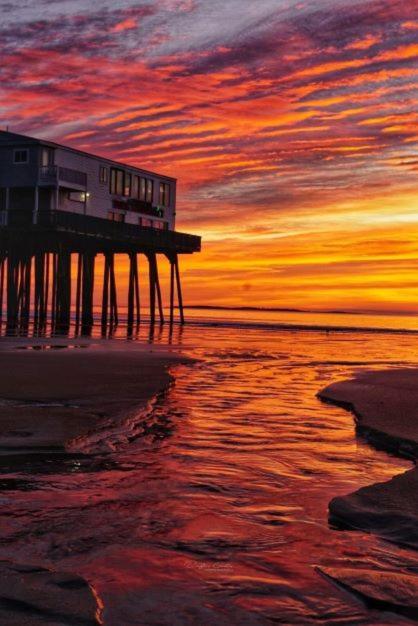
(36, 281)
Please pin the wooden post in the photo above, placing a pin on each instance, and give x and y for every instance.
(158, 288)
(26, 291)
(39, 286)
(78, 291)
(12, 287)
(87, 291)
(171, 292)
(44, 313)
(63, 288)
(137, 293)
(179, 294)
(113, 294)
(151, 287)
(105, 293)
(131, 291)
(2, 268)
(54, 289)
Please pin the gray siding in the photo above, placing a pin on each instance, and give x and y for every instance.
(99, 201)
(22, 174)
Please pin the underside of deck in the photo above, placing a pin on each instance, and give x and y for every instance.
(78, 232)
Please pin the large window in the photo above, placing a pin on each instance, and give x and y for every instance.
(135, 187)
(150, 190)
(117, 181)
(103, 174)
(116, 217)
(164, 195)
(21, 156)
(144, 189)
(127, 185)
(47, 156)
(160, 225)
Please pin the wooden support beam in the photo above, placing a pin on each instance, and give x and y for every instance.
(158, 289)
(2, 277)
(171, 292)
(44, 313)
(12, 291)
(131, 291)
(113, 293)
(179, 293)
(26, 291)
(54, 289)
(78, 291)
(87, 291)
(105, 293)
(151, 264)
(39, 271)
(137, 292)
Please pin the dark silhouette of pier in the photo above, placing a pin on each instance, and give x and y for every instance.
(36, 282)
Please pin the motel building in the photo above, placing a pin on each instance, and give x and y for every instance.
(57, 203)
(38, 176)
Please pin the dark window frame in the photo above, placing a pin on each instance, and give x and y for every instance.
(17, 151)
(164, 194)
(103, 174)
(127, 184)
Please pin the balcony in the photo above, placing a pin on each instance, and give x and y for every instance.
(55, 174)
(138, 206)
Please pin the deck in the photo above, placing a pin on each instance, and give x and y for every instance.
(80, 231)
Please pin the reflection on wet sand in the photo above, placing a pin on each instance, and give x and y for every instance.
(219, 514)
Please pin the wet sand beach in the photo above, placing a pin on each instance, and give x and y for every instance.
(385, 406)
(54, 399)
(51, 395)
(207, 504)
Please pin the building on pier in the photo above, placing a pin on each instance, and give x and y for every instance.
(56, 202)
(38, 175)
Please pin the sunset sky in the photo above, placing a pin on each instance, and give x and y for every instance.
(291, 126)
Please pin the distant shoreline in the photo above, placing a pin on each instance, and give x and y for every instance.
(210, 307)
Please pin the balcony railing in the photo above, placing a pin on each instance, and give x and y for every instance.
(55, 173)
(100, 229)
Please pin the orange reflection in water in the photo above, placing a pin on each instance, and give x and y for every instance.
(219, 514)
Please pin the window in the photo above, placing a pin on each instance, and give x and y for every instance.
(120, 182)
(117, 183)
(160, 224)
(145, 222)
(47, 157)
(142, 189)
(21, 156)
(164, 195)
(115, 217)
(146, 190)
(127, 185)
(150, 189)
(112, 180)
(77, 196)
(135, 186)
(103, 174)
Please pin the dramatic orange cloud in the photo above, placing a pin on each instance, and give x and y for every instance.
(292, 131)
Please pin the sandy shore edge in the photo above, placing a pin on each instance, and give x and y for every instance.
(59, 396)
(385, 406)
(51, 397)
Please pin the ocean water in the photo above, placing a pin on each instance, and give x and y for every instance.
(218, 515)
